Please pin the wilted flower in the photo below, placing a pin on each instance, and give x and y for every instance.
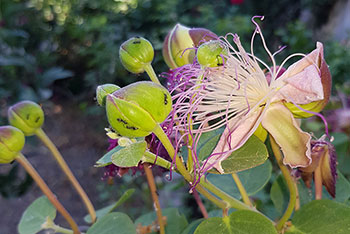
(239, 96)
(323, 167)
(179, 44)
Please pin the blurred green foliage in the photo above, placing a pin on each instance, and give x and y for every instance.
(42, 41)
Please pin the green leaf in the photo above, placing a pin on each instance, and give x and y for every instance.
(108, 209)
(207, 142)
(130, 155)
(342, 189)
(280, 195)
(113, 223)
(251, 154)
(321, 217)
(175, 223)
(36, 215)
(107, 158)
(253, 180)
(342, 143)
(242, 222)
(193, 226)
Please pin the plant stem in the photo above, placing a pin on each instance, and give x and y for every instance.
(59, 229)
(49, 224)
(153, 189)
(200, 204)
(318, 183)
(297, 202)
(62, 163)
(220, 203)
(290, 184)
(242, 190)
(152, 75)
(234, 203)
(46, 190)
(152, 158)
(158, 131)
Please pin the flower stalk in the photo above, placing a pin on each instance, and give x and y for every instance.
(62, 163)
(47, 191)
(154, 159)
(152, 75)
(290, 184)
(153, 189)
(49, 224)
(242, 190)
(230, 201)
(200, 204)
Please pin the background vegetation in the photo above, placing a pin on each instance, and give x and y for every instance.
(56, 52)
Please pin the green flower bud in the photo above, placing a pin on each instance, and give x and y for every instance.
(103, 90)
(11, 143)
(135, 54)
(181, 38)
(211, 54)
(135, 110)
(26, 116)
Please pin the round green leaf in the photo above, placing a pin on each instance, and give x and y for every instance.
(113, 223)
(251, 154)
(106, 159)
(175, 223)
(192, 226)
(129, 156)
(36, 215)
(253, 180)
(239, 222)
(321, 217)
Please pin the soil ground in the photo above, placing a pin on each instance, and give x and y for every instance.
(81, 140)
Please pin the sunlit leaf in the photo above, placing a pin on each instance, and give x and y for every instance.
(36, 215)
(242, 222)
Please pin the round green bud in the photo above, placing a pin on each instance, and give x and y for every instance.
(103, 90)
(135, 110)
(135, 54)
(179, 41)
(211, 54)
(26, 116)
(11, 143)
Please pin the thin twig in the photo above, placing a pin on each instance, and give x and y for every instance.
(200, 203)
(242, 190)
(62, 163)
(153, 189)
(47, 191)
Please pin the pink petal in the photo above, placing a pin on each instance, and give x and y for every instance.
(302, 81)
(233, 138)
